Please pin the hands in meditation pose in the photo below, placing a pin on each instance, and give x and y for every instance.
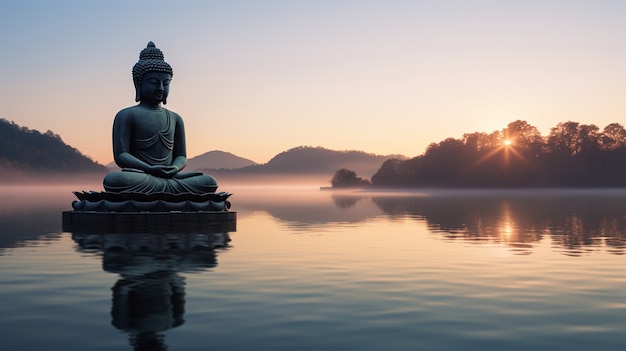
(149, 140)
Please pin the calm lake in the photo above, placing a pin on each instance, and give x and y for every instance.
(322, 270)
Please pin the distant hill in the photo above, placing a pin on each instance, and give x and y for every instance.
(217, 159)
(306, 160)
(25, 151)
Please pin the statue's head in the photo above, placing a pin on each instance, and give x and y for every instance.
(150, 61)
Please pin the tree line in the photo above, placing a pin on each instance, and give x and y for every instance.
(572, 155)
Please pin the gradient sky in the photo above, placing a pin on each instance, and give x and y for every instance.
(258, 77)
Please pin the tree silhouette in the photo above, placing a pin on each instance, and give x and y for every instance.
(572, 155)
(345, 178)
(613, 137)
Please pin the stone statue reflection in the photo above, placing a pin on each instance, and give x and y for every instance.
(145, 306)
(149, 140)
(149, 296)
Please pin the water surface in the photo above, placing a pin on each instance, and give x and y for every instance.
(322, 270)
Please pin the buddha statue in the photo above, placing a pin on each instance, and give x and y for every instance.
(149, 140)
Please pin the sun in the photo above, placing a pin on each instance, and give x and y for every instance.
(507, 149)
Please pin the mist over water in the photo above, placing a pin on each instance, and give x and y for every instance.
(311, 269)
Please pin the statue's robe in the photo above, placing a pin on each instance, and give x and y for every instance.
(157, 150)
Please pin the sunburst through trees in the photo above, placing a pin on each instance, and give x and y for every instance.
(573, 154)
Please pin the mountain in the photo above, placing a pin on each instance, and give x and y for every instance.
(29, 152)
(315, 161)
(217, 159)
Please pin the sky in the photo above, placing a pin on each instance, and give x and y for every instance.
(259, 77)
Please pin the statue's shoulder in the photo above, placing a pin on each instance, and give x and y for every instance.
(127, 113)
(175, 115)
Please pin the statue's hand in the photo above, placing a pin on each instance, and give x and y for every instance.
(164, 171)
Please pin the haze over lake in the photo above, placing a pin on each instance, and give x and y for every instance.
(324, 270)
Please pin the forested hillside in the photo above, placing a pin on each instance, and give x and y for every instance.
(572, 155)
(27, 151)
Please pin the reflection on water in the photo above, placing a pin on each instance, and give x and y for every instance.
(576, 222)
(344, 202)
(30, 214)
(149, 296)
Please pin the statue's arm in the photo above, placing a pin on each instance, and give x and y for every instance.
(180, 148)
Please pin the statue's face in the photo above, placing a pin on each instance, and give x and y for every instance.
(155, 86)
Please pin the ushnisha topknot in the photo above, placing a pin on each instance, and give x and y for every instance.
(150, 59)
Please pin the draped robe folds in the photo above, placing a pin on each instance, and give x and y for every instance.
(157, 150)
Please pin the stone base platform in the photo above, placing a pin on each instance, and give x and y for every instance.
(152, 222)
(110, 212)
